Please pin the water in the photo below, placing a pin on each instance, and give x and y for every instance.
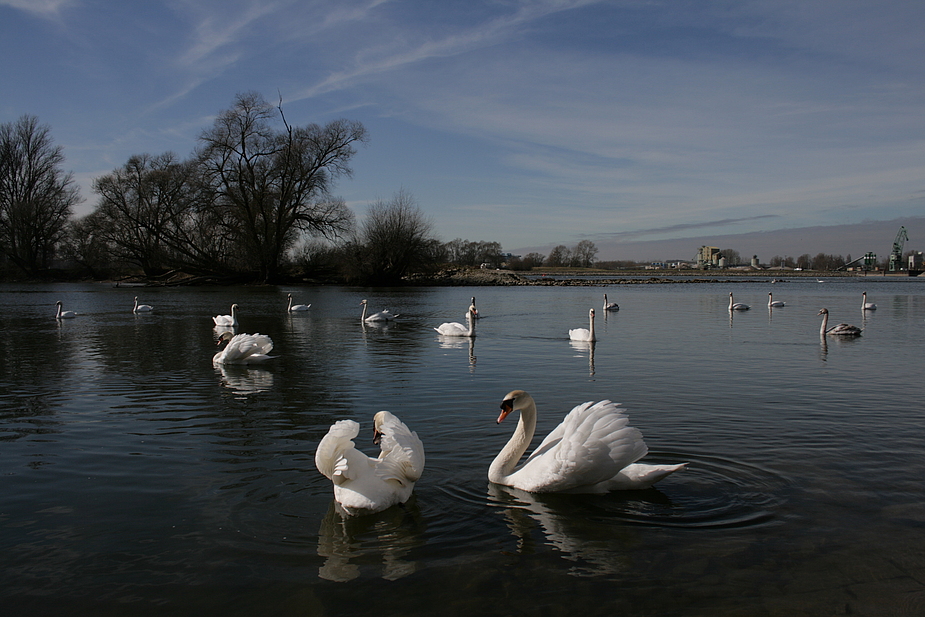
(136, 478)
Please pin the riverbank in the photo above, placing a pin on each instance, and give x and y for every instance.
(462, 277)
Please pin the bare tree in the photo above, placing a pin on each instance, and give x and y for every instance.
(36, 195)
(393, 239)
(583, 254)
(275, 185)
(559, 256)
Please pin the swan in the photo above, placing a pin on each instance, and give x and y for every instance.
(385, 315)
(457, 329)
(142, 308)
(774, 303)
(297, 307)
(62, 314)
(737, 306)
(227, 320)
(610, 306)
(593, 450)
(243, 349)
(362, 484)
(841, 329)
(865, 305)
(582, 334)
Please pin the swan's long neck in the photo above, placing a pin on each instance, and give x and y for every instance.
(363, 316)
(591, 327)
(825, 322)
(471, 318)
(58, 314)
(730, 301)
(289, 308)
(510, 454)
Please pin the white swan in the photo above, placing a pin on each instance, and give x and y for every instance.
(582, 334)
(62, 314)
(142, 308)
(841, 329)
(297, 307)
(227, 320)
(362, 484)
(610, 306)
(243, 349)
(774, 303)
(593, 450)
(865, 305)
(455, 328)
(737, 306)
(385, 315)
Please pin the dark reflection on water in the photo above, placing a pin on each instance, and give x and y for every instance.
(136, 477)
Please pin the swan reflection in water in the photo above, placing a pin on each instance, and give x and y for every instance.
(594, 547)
(583, 347)
(242, 379)
(377, 542)
(457, 342)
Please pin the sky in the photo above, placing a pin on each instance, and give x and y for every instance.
(528, 123)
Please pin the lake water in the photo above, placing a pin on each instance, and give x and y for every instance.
(137, 479)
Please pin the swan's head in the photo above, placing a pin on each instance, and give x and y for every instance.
(823, 311)
(363, 302)
(289, 296)
(516, 399)
(591, 313)
(234, 306)
(225, 336)
(379, 419)
(58, 303)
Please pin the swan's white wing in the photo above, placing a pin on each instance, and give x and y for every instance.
(402, 453)
(591, 445)
(579, 334)
(244, 346)
(330, 456)
(452, 329)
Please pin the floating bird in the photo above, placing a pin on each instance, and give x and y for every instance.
(297, 307)
(142, 308)
(865, 305)
(455, 328)
(593, 450)
(737, 306)
(582, 334)
(610, 306)
(841, 329)
(362, 484)
(385, 315)
(227, 320)
(243, 349)
(62, 314)
(774, 303)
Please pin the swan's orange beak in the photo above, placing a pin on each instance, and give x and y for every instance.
(377, 436)
(506, 408)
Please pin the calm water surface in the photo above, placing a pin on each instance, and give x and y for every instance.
(136, 478)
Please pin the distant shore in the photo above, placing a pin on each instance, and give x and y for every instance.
(590, 277)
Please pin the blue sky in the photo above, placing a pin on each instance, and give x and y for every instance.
(527, 123)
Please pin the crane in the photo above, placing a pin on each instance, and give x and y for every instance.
(896, 255)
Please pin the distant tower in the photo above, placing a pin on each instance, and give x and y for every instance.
(754, 261)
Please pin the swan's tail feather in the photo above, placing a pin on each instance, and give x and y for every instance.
(329, 457)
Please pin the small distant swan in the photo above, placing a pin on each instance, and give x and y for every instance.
(297, 307)
(227, 320)
(142, 308)
(243, 349)
(610, 306)
(593, 450)
(737, 306)
(455, 328)
(865, 305)
(582, 334)
(362, 484)
(774, 303)
(385, 315)
(841, 329)
(61, 314)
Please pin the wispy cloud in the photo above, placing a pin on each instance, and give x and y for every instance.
(48, 9)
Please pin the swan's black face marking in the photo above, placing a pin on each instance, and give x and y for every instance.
(507, 406)
(377, 436)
